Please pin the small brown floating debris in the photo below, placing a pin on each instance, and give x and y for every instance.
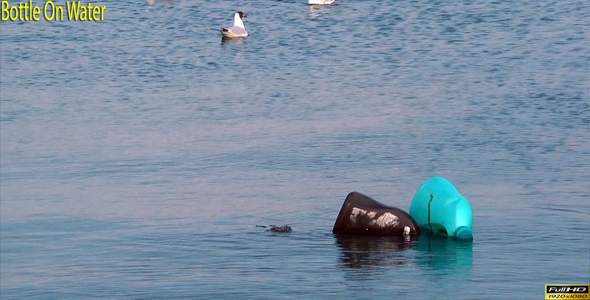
(275, 228)
(285, 228)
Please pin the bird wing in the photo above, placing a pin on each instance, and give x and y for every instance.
(237, 30)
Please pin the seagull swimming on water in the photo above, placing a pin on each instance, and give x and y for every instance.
(318, 2)
(238, 30)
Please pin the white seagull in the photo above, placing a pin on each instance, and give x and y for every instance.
(318, 2)
(238, 30)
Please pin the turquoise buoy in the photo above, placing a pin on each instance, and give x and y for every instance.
(438, 207)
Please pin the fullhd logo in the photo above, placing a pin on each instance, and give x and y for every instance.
(567, 291)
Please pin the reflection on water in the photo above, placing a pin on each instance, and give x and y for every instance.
(360, 252)
(314, 9)
(231, 41)
(436, 256)
(442, 254)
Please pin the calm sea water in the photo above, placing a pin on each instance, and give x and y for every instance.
(139, 153)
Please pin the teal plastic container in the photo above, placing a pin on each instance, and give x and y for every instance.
(438, 207)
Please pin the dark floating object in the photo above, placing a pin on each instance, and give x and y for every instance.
(285, 228)
(362, 215)
(275, 228)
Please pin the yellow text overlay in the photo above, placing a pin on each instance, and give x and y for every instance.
(51, 12)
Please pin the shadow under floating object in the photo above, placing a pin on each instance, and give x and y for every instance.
(361, 215)
(365, 252)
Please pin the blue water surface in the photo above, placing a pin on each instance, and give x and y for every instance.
(138, 153)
